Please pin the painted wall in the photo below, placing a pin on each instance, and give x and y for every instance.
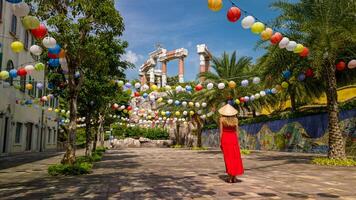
(304, 134)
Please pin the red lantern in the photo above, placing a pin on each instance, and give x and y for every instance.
(40, 32)
(276, 38)
(309, 72)
(21, 72)
(52, 56)
(340, 66)
(129, 108)
(137, 94)
(242, 100)
(233, 14)
(304, 53)
(198, 87)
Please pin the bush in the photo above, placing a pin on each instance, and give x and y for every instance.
(67, 170)
(245, 152)
(334, 162)
(137, 132)
(177, 146)
(199, 148)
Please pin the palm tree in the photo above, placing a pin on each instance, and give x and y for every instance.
(326, 34)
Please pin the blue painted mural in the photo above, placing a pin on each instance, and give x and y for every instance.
(298, 135)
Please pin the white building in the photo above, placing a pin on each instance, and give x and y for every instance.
(23, 128)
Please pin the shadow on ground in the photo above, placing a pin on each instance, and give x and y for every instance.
(16, 160)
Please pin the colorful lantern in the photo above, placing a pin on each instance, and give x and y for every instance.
(233, 14)
(40, 32)
(244, 83)
(185, 113)
(137, 85)
(129, 107)
(276, 38)
(299, 48)
(352, 64)
(44, 99)
(188, 88)
(215, 5)
(285, 85)
(49, 42)
(128, 85)
(191, 112)
(20, 9)
(184, 103)
(177, 113)
(29, 86)
(13, 73)
(39, 66)
(4, 75)
(242, 100)
(14, 1)
(266, 34)
(283, 43)
(170, 101)
(36, 50)
(256, 80)
(232, 84)
(197, 105)
(136, 94)
(309, 72)
(54, 63)
(237, 101)
(191, 104)
(55, 50)
(30, 22)
(29, 69)
(21, 72)
(286, 74)
(291, 46)
(120, 83)
(62, 54)
(247, 22)
(17, 46)
(263, 93)
(304, 53)
(39, 86)
(159, 100)
(154, 87)
(210, 86)
(198, 87)
(204, 105)
(177, 103)
(301, 77)
(221, 86)
(340, 66)
(52, 56)
(257, 27)
(257, 95)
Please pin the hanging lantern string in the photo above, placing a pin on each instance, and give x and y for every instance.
(248, 13)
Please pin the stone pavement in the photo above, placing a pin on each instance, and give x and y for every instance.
(183, 174)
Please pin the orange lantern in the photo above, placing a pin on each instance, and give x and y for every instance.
(215, 5)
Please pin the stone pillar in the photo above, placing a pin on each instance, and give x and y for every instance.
(143, 78)
(164, 74)
(159, 82)
(202, 66)
(152, 76)
(181, 70)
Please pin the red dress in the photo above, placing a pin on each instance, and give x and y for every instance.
(231, 150)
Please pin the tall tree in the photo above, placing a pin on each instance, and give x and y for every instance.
(75, 24)
(326, 34)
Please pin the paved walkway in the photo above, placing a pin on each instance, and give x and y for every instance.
(182, 174)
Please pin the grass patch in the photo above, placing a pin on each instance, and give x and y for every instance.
(334, 162)
(177, 146)
(82, 165)
(245, 152)
(199, 148)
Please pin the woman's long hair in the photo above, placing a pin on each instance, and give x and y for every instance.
(229, 121)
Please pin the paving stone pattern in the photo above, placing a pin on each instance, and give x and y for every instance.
(154, 173)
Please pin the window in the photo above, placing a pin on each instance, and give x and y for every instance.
(1, 3)
(54, 135)
(10, 66)
(18, 133)
(32, 40)
(34, 90)
(27, 38)
(31, 92)
(39, 94)
(49, 136)
(23, 84)
(13, 25)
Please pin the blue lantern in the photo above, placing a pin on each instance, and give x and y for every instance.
(13, 73)
(54, 63)
(231, 102)
(268, 91)
(177, 103)
(50, 86)
(188, 88)
(168, 113)
(286, 74)
(14, 1)
(145, 95)
(55, 50)
(76, 75)
(301, 77)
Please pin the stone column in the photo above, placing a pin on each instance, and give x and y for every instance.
(152, 76)
(143, 78)
(159, 82)
(164, 74)
(181, 70)
(202, 66)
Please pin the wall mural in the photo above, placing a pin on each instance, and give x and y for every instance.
(297, 135)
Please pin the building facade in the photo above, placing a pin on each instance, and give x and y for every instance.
(24, 127)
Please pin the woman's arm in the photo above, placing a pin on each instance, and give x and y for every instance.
(221, 128)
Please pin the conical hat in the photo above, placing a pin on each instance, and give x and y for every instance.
(227, 110)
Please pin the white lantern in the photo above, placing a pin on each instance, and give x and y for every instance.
(49, 42)
(179, 88)
(170, 101)
(204, 104)
(122, 107)
(257, 95)
(152, 97)
(210, 86)
(256, 80)
(247, 22)
(283, 43)
(20, 9)
(252, 97)
(244, 83)
(274, 90)
(184, 103)
(199, 112)
(291, 46)
(352, 64)
(29, 69)
(36, 50)
(263, 93)
(246, 98)
(221, 86)
(185, 113)
(197, 104)
(167, 87)
(203, 116)
(137, 85)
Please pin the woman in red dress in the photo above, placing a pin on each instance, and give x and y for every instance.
(230, 143)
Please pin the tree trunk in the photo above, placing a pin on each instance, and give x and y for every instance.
(69, 156)
(336, 140)
(87, 135)
(292, 100)
(101, 130)
(199, 134)
(95, 141)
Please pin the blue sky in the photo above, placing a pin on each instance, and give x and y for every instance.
(184, 24)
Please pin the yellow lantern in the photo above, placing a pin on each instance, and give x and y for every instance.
(163, 113)
(50, 109)
(125, 111)
(299, 48)
(266, 34)
(30, 22)
(257, 27)
(29, 86)
(232, 84)
(56, 110)
(177, 113)
(191, 104)
(191, 112)
(215, 5)
(17, 46)
(154, 87)
(278, 87)
(4, 75)
(159, 100)
(237, 101)
(285, 85)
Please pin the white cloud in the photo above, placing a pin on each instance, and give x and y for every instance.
(132, 57)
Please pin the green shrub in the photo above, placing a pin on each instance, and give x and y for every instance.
(137, 132)
(334, 162)
(199, 148)
(67, 170)
(245, 152)
(177, 146)
(100, 149)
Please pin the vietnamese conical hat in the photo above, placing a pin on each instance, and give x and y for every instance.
(227, 110)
